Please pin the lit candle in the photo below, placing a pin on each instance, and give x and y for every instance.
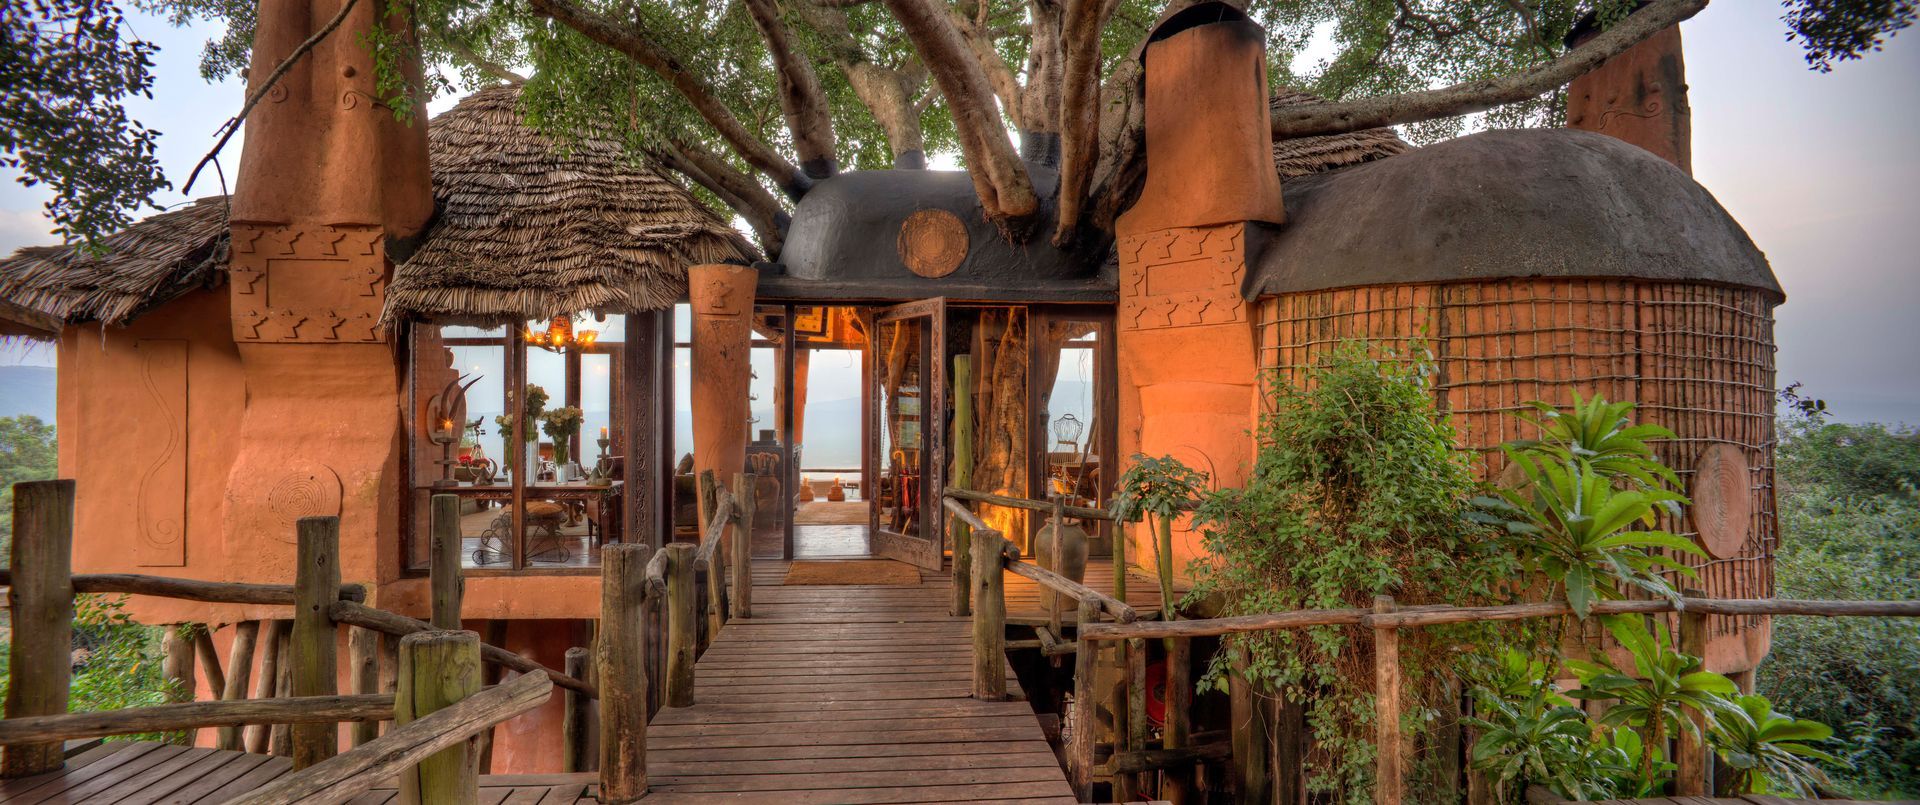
(603, 431)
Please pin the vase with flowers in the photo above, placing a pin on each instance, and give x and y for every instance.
(561, 425)
(536, 404)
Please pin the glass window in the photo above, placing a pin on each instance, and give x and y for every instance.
(525, 427)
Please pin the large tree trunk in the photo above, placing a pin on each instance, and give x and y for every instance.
(1000, 412)
(801, 100)
(888, 93)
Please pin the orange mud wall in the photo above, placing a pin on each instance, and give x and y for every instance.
(1187, 368)
(1697, 359)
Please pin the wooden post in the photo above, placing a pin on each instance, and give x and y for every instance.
(209, 660)
(41, 602)
(962, 479)
(716, 596)
(239, 674)
(1127, 787)
(444, 561)
(682, 625)
(989, 617)
(437, 670)
(491, 674)
(316, 664)
(707, 492)
(272, 645)
(1389, 770)
(621, 671)
(1286, 723)
(1178, 781)
(573, 719)
(363, 660)
(1120, 561)
(1058, 520)
(1689, 749)
(1251, 728)
(176, 645)
(281, 742)
(746, 489)
(1086, 719)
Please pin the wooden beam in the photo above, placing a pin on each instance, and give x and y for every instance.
(746, 490)
(682, 624)
(1689, 747)
(380, 620)
(620, 668)
(327, 710)
(444, 582)
(212, 592)
(1389, 784)
(363, 669)
(989, 616)
(40, 601)
(438, 670)
(360, 770)
(316, 661)
(239, 674)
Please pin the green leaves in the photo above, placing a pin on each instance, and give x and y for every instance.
(1767, 751)
(1584, 512)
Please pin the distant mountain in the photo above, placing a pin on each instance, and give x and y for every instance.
(27, 390)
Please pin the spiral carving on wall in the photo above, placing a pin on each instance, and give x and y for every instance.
(312, 490)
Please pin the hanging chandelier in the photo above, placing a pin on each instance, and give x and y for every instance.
(560, 336)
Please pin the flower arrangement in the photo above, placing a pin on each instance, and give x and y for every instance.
(561, 424)
(536, 405)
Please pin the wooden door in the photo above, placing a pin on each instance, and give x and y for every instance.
(906, 356)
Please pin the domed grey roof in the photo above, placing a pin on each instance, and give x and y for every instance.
(1506, 204)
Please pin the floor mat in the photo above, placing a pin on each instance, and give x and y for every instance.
(855, 571)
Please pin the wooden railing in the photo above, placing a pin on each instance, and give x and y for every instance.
(439, 702)
(659, 611)
(1121, 643)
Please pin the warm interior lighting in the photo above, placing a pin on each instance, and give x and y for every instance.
(559, 335)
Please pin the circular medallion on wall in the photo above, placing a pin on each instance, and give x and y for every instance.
(311, 489)
(932, 243)
(1722, 494)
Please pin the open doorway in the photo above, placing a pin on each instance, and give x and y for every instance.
(830, 507)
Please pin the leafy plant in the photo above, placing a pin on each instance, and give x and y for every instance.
(117, 662)
(1159, 490)
(1538, 739)
(1570, 523)
(1768, 751)
(1356, 490)
(1599, 436)
(1665, 685)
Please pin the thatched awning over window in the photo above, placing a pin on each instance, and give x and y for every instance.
(528, 227)
(146, 264)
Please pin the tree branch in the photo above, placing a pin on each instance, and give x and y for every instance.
(999, 178)
(694, 88)
(1079, 111)
(801, 101)
(1478, 96)
(885, 91)
(737, 190)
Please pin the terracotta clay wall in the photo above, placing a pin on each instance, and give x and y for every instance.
(1698, 359)
(145, 415)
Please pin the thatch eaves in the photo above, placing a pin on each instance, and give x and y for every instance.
(1303, 156)
(528, 227)
(149, 263)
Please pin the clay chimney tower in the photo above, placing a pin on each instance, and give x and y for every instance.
(1188, 370)
(1639, 96)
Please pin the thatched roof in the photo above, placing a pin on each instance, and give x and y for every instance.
(1302, 156)
(527, 227)
(148, 263)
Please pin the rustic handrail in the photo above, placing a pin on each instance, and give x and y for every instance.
(398, 625)
(1072, 589)
(196, 715)
(372, 764)
(963, 511)
(723, 516)
(1081, 512)
(1439, 615)
(211, 592)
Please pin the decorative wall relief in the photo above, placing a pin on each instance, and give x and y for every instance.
(308, 284)
(309, 489)
(1722, 495)
(160, 499)
(932, 243)
(1183, 277)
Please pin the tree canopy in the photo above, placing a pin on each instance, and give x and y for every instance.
(754, 100)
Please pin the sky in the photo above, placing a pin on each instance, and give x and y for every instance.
(1819, 168)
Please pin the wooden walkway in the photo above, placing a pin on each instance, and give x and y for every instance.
(842, 694)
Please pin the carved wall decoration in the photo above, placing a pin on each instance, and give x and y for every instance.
(1722, 495)
(308, 284)
(161, 455)
(310, 489)
(932, 243)
(1183, 277)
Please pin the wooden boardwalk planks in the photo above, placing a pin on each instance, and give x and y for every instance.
(841, 694)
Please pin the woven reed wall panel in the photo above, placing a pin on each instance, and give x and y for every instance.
(1698, 360)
